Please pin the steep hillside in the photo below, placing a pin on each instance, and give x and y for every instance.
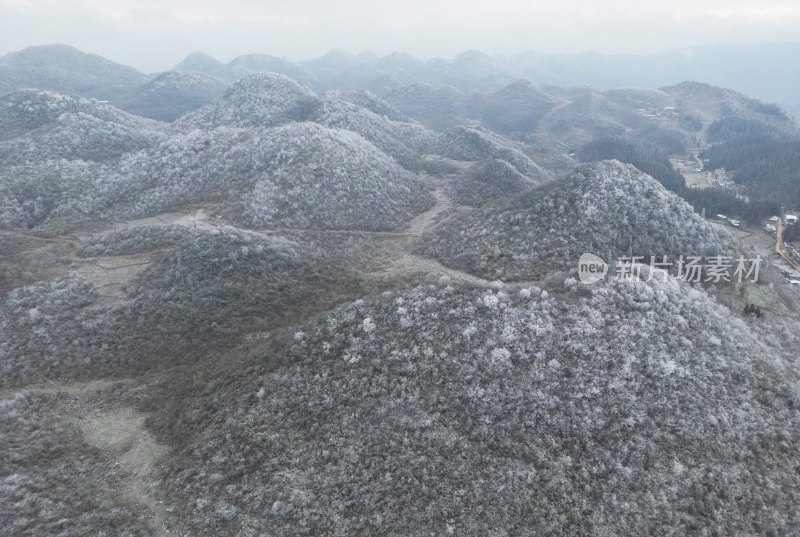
(402, 140)
(78, 136)
(472, 144)
(764, 159)
(641, 98)
(486, 181)
(609, 209)
(330, 178)
(473, 412)
(244, 66)
(271, 100)
(299, 175)
(212, 287)
(471, 69)
(173, 94)
(39, 126)
(438, 107)
(516, 109)
(587, 117)
(65, 69)
(25, 111)
(260, 100)
(402, 66)
(199, 62)
(370, 101)
(333, 61)
(361, 76)
(647, 156)
(715, 103)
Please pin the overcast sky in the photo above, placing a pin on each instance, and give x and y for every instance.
(155, 34)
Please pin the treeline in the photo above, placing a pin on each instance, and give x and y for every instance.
(791, 233)
(739, 128)
(765, 160)
(720, 201)
(650, 159)
(691, 122)
(644, 155)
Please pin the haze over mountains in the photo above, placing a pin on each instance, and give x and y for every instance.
(758, 70)
(342, 297)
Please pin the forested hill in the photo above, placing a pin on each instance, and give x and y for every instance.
(763, 158)
(651, 159)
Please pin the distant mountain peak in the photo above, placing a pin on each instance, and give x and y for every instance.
(66, 69)
(473, 54)
(42, 50)
(338, 54)
(334, 59)
(368, 56)
(200, 62)
(258, 100)
(401, 58)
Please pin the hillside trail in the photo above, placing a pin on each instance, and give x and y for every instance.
(73, 242)
(135, 455)
(779, 248)
(427, 220)
(115, 427)
(111, 272)
(400, 261)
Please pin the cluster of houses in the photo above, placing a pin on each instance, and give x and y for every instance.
(722, 178)
(771, 225)
(660, 115)
(792, 277)
(792, 251)
(731, 221)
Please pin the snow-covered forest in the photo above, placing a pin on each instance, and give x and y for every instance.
(342, 297)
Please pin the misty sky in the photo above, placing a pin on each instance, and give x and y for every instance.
(154, 35)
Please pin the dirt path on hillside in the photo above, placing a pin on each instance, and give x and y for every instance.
(73, 242)
(101, 408)
(428, 220)
(121, 434)
(131, 453)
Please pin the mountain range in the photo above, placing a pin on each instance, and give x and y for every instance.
(758, 70)
(346, 297)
